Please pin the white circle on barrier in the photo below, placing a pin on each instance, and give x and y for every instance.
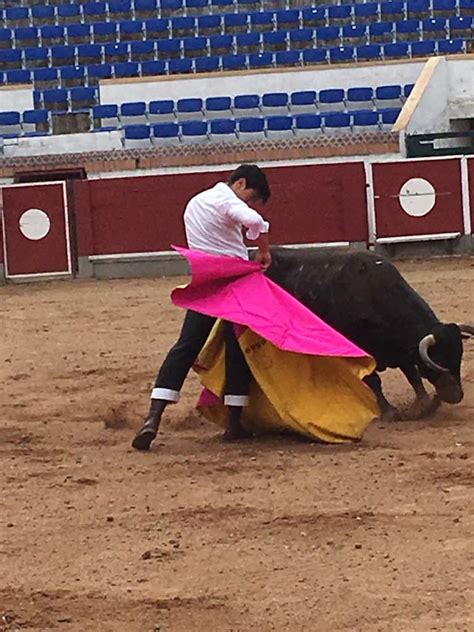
(417, 197)
(34, 224)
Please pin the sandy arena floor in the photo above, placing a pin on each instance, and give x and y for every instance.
(274, 534)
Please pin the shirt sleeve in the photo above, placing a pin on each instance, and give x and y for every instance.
(242, 214)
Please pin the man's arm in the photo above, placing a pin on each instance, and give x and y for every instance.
(263, 256)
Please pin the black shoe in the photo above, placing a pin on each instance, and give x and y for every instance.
(145, 436)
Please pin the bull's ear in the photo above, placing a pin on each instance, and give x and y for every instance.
(466, 331)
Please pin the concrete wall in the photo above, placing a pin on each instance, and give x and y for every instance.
(461, 88)
(62, 144)
(230, 84)
(16, 98)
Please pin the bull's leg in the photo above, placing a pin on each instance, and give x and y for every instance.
(424, 405)
(389, 412)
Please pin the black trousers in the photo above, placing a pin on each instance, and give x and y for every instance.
(181, 357)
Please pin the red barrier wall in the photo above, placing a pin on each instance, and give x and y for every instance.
(470, 171)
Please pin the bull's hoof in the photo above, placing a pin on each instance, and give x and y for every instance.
(391, 414)
(235, 434)
(423, 408)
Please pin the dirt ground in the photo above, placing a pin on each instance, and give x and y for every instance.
(272, 534)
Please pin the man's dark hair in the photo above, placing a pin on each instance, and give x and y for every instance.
(255, 179)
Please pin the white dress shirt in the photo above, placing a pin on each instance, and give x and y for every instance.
(214, 219)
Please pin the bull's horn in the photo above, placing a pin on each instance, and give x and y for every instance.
(425, 343)
(467, 329)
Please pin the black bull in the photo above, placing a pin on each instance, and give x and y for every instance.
(363, 296)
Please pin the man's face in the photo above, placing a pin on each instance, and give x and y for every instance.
(249, 196)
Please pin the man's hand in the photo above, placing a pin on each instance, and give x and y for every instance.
(264, 258)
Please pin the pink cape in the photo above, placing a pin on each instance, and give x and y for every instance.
(237, 291)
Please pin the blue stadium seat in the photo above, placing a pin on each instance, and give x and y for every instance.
(393, 11)
(369, 52)
(63, 55)
(46, 77)
(145, 8)
(105, 117)
(130, 31)
(96, 72)
(153, 68)
(341, 54)
(331, 100)
(42, 14)
(278, 127)
(123, 69)
(17, 16)
(35, 57)
(169, 49)
(466, 7)
(388, 96)
(196, 6)
(307, 124)
(18, 76)
(189, 108)
(288, 58)
(261, 21)
(235, 23)
(315, 56)
(418, 9)
(6, 38)
(365, 120)
(183, 26)
(388, 116)
(222, 130)
(301, 38)
(10, 124)
(119, 10)
(221, 6)
(460, 27)
(157, 28)
(248, 42)
(275, 40)
(82, 98)
(354, 34)
(207, 64)
(115, 53)
(180, 66)
(133, 113)
(287, 19)
(443, 8)
(142, 51)
(2, 78)
(221, 44)
(10, 59)
(209, 25)
(336, 121)
(218, 107)
(161, 111)
(193, 131)
(35, 122)
(195, 46)
(94, 11)
(434, 28)
(275, 103)
(407, 89)
(423, 49)
(340, 14)
(89, 53)
(303, 102)
(381, 32)
(366, 13)
(407, 30)
(234, 62)
(170, 7)
(55, 99)
(77, 33)
(313, 17)
(328, 36)
(251, 128)
(246, 105)
(359, 98)
(72, 76)
(260, 60)
(451, 46)
(26, 36)
(136, 137)
(396, 50)
(69, 13)
(104, 32)
(165, 133)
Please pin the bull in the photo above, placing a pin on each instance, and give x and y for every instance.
(364, 297)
